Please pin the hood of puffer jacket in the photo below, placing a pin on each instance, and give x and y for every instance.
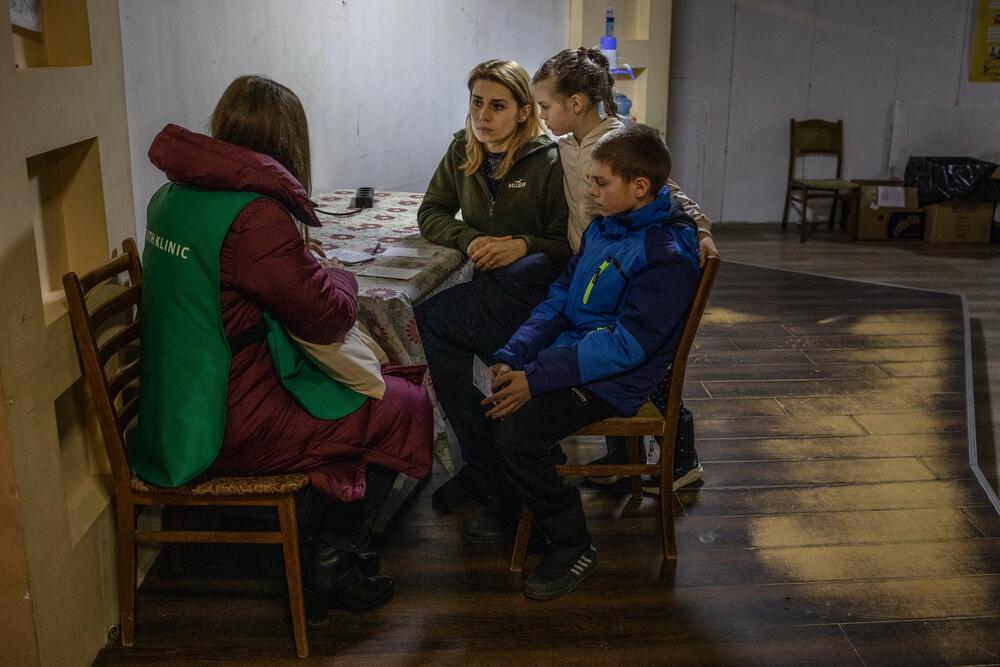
(196, 159)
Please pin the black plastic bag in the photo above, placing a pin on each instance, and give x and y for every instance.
(939, 179)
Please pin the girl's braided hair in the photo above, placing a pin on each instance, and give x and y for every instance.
(583, 71)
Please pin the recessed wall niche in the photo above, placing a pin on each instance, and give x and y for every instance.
(85, 473)
(50, 33)
(67, 196)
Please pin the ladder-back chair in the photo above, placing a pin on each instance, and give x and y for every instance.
(648, 421)
(107, 337)
(815, 137)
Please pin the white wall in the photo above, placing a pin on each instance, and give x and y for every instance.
(382, 81)
(895, 71)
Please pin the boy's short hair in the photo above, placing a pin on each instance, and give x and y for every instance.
(633, 151)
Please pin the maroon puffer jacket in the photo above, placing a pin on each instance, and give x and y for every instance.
(264, 265)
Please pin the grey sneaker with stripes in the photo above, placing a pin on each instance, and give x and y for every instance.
(560, 572)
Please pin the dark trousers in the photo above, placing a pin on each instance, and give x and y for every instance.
(341, 524)
(522, 443)
(477, 319)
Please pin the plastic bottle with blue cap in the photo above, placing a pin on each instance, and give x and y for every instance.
(609, 45)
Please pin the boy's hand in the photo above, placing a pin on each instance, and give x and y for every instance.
(513, 394)
(497, 370)
(497, 253)
(706, 248)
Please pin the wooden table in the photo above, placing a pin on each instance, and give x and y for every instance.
(385, 305)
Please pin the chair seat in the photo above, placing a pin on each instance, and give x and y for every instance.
(229, 486)
(647, 421)
(824, 183)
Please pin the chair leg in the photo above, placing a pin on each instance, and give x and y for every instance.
(667, 519)
(126, 569)
(521, 540)
(802, 218)
(667, 498)
(293, 572)
(788, 201)
(634, 450)
(833, 212)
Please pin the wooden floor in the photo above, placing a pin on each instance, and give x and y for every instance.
(838, 523)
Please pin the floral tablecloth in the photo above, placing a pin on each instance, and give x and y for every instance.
(385, 305)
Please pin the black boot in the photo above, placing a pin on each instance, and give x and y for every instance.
(335, 578)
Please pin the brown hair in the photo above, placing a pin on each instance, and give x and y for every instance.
(265, 116)
(583, 71)
(514, 78)
(633, 151)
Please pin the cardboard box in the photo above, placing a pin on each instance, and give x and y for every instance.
(885, 210)
(959, 222)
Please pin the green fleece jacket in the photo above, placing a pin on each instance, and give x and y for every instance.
(530, 203)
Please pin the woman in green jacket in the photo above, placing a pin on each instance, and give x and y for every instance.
(503, 173)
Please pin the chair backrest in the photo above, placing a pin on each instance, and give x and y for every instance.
(107, 337)
(678, 366)
(816, 137)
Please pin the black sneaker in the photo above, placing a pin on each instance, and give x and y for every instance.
(560, 572)
(462, 489)
(687, 471)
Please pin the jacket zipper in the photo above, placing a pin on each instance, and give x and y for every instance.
(593, 279)
(486, 189)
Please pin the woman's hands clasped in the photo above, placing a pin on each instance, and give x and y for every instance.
(510, 391)
(495, 252)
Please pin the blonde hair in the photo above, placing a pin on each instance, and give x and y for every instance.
(260, 114)
(514, 78)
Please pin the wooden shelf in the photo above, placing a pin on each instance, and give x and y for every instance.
(643, 31)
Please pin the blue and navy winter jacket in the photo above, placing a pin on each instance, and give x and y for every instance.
(612, 320)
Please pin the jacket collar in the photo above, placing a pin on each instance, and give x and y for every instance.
(656, 211)
(607, 125)
(539, 143)
(195, 159)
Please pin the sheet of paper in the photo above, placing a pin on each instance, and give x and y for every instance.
(891, 197)
(394, 272)
(350, 257)
(400, 251)
(482, 377)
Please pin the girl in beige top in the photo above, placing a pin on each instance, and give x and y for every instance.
(569, 88)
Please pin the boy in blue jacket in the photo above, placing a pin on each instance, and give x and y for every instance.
(596, 347)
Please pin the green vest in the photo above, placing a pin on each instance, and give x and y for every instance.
(185, 353)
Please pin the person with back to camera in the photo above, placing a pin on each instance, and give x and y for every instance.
(503, 173)
(570, 87)
(596, 347)
(215, 397)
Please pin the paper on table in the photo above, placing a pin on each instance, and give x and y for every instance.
(349, 257)
(400, 251)
(482, 376)
(891, 197)
(394, 272)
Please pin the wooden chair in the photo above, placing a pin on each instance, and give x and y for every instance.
(648, 421)
(107, 336)
(816, 137)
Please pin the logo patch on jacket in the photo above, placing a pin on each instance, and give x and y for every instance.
(519, 183)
